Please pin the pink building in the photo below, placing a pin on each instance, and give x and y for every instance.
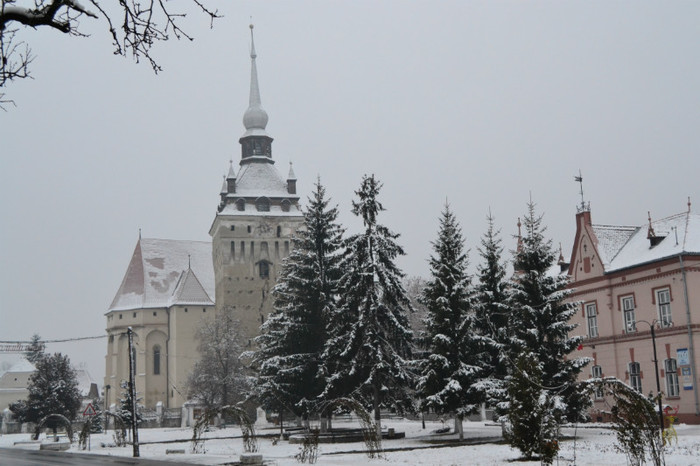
(628, 279)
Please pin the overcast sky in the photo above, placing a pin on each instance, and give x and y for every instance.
(477, 103)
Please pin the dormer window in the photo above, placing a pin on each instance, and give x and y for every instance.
(286, 205)
(262, 204)
(240, 205)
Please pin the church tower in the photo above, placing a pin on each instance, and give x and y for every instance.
(257, 216)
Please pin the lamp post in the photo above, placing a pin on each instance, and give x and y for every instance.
(652, 325)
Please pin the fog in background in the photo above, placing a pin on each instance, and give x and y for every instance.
(482, 104)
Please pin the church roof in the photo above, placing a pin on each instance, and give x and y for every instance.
(164, 272)
(625, 247)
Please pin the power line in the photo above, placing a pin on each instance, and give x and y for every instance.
(26, 342)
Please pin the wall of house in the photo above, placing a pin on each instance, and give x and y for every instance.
(615, 346)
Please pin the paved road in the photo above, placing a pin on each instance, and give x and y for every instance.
(20, 457)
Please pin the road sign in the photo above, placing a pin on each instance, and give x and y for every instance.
(89, 411)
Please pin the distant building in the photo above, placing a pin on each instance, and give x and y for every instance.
(14, 382)
(629, 278)
(170, 286)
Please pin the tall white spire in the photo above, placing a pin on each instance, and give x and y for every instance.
(255, 118)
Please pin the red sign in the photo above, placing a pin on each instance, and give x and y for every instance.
(89, 411)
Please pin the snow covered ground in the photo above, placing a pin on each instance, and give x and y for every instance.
(594, 445)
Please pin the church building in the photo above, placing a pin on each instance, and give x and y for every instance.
(170, 286)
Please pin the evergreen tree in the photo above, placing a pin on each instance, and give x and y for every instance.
(546, 373)
(124, 411)
(36, 349)
(369, 336)
(53, 389)
(492, 312)
(293, 337)
(219, 378)
(455, 353)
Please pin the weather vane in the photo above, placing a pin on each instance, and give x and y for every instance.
(579, 180)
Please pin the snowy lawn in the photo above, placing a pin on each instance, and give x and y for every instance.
(594, 445)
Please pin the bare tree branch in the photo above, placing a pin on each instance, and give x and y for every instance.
(143, 24)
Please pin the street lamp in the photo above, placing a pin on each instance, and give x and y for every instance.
(652, 325)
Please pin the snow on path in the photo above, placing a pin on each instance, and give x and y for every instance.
(594, 445)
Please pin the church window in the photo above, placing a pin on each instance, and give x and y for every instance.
(156, 360)
(264, 269)
(120, 316)
(134, 315)
(262, 204)
(240, 206)
(233, 227)
(243, 249)
(204, 309)
(249, 229)
(155, 313)
(277, 249)
(279, 231)
(263, 248)
(286, 248)
(252, 250)
(185, 309)
(233, 249)
(286, 205)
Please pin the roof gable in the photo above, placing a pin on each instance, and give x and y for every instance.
(190, 291)
(155, 270)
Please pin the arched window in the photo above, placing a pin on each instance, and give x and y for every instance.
(262, 204)
(286, 205)
(156, 360)
(240, 205)
(279, 231)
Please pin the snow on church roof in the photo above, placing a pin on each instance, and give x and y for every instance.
(629, 246)
(163, 272)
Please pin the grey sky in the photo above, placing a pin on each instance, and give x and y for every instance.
(479, 103)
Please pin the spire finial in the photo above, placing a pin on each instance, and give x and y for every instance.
(650, 231)
(139, 234)
(688, 204)
(189, 262)
(255, 118)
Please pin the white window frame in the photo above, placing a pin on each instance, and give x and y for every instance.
(592, 319)
(635, 377)
(628, 318)
(597, 373)
(664, 307)
(671, 372)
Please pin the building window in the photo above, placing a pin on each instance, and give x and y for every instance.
(286, 205)
(233, 227)
(233, 249)
(264, 269)
(663, 300)
(628, 314)
(156, 360)
(134, 315)
(279, 231)
(592, 320)
(671, 369)
(635, 376)
(262, 204)
(597, 373)
(240, 205)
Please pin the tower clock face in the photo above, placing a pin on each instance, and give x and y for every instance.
(263, 228)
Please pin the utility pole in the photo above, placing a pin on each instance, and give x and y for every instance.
(132, 393)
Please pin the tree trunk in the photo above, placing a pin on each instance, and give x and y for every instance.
(377, 413)
(459, 427)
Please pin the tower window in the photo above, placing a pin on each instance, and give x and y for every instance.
(279, 231)
(286, 205)
(262, 204)
(249, 229)
(233, 227)
(240, 206)
(156, 360)
(233, 249)
(264, 269)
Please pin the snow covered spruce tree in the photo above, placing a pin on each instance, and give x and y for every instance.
(219, 378)
(53, 389)
(36, 349)
(543, 390)
(293, 337)
(492, 313)
(369, 339)
(455, 353)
